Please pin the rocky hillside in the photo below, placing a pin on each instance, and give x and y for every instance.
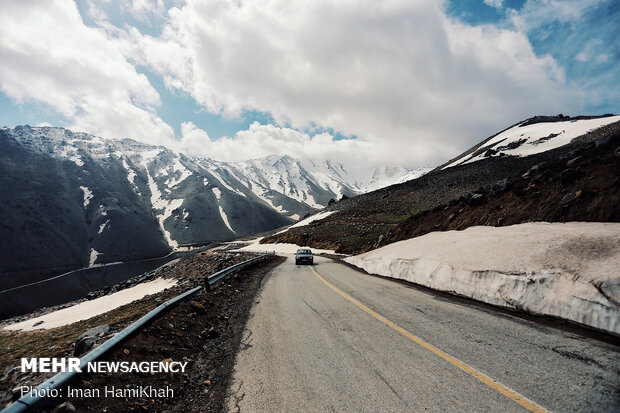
(574, 181)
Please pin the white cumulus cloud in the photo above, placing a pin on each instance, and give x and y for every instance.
(413, 85)
(498, 4)
(396, 74)
(49, 56)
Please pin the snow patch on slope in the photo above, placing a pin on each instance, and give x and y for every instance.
(218, 195)
(225, 218)
(93, 257)
(88, 195)
(88, 309)
(77, 159)
(410, 176)
(539, 137)
(131, 175)
(103, 226)
(303, 222)
(280, 248)
(315, 217)
(157, 200)
(566, 270)
(384, 176)
(176, 168)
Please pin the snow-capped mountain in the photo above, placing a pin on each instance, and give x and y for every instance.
(292, 185)
(342, 179)
(82, 200)
(535, 135)
(279, 181)
(288, 176)
(386, 176)
(79, 200)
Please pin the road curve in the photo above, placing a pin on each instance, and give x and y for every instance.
(328, 338)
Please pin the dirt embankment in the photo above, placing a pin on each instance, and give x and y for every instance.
(578, 182)
(205, 331)
(59, 342)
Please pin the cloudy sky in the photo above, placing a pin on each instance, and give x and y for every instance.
(397, 82)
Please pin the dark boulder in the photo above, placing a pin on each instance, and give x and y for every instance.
(65, 407)
(499, 187)
(86, 340)
(83, 345)
(476, 199)
(490, 152)
(197, 307)
(569, 199)
(570, 175)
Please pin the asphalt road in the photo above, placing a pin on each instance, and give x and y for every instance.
(328, 338)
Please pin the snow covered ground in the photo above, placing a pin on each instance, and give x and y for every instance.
(283, 248)
(280, 248)
(567, 270)
(88, 309)
(536, 138)
(303, 222)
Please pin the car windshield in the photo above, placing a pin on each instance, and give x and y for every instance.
(304, 252)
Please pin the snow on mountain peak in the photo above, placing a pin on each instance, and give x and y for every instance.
(527, 138)
(293, 187)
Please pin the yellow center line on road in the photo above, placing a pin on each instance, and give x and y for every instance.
(511, 394)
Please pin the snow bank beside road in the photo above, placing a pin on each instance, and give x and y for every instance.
(567, 270)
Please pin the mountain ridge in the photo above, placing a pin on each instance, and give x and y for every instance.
(82, 200)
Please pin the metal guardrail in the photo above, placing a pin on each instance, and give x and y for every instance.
(28, 402)
(214, 278)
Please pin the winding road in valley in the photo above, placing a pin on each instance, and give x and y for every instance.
(328, 338)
